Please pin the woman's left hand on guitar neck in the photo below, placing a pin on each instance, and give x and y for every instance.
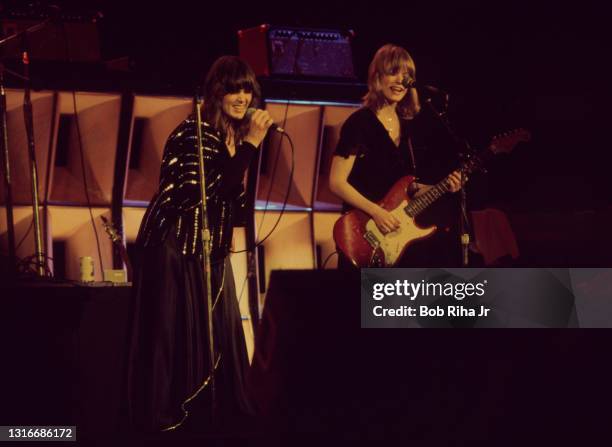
(453, 180)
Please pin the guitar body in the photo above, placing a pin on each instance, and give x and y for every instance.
(360, 240)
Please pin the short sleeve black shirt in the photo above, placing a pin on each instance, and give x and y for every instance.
(379, 163)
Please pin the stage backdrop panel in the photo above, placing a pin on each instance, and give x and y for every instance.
(90, 120)
(302, 123)
(333, 118)
(289, 247)
(154, 118)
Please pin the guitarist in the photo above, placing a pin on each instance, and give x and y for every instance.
(375, 149)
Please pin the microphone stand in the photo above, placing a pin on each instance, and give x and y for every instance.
(8, 189)
(28, 117)
(465, 154)
(206, 250)
(29, 125)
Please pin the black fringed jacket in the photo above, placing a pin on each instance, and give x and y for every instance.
(177, 202)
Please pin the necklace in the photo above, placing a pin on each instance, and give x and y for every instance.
(388, 123)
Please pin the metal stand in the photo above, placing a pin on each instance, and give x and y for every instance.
(29, 125)
(206, 249)
(8, 189)
(465, 154)
(464, 225)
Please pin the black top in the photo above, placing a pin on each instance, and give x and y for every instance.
(177, 202)
(379, 163)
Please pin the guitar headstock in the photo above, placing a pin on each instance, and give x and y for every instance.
(502, 143)
(505, 142)
(110, 229)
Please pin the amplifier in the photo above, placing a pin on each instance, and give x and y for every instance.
(297, 52)
(67, 38)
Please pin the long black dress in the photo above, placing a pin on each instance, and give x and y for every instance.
(168, 366)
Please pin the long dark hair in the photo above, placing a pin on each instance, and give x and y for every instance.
(228, 74)
(389, 59)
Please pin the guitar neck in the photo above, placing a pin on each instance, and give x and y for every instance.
(419, 204)
(126, 260)
(117, 242)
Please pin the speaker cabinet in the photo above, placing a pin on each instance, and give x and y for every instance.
(290, 246)
(153, 121)
(302, 122)
(87, 122)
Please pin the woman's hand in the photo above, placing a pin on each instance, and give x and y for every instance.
(259, 125)
(454, 181)
(385, 221)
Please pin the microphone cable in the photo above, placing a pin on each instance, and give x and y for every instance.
(251, 250)
(80, 141)
(287, 192)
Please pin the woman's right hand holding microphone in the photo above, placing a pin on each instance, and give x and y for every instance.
(259, 125)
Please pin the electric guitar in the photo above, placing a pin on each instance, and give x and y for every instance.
(358, 237)
(117, 241)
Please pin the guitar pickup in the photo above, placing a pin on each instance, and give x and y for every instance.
(372, 239)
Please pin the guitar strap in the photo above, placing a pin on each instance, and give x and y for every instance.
(407, 129)
(412, 159)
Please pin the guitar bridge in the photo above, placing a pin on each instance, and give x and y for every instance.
(372, 239)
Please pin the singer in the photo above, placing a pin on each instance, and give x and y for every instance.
(375, 147)
(168, 366)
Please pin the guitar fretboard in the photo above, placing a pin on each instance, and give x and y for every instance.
(499, 144)
(416, 206)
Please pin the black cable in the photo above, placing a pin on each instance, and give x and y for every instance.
(278, 151)
(327, 259)
(251, 265)
(257, 244)
(25, 235)
(249, 273)
(29, 265)
(251, 259)
(280, 214)
(283, 207)
(80, 140)
(251, 251)
(86, 187)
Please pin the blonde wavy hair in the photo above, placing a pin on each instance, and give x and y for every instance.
(389, 60)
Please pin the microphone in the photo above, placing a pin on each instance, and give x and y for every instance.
(408, 83)
(249, 113)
